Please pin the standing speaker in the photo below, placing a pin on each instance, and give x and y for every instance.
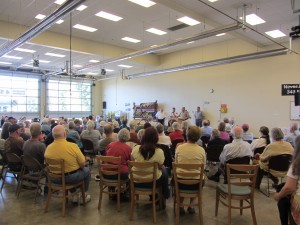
(104, 105)
(297, 99)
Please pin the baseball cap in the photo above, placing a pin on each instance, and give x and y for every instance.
(14, 127)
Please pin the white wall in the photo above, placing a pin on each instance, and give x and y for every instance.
(251, 89)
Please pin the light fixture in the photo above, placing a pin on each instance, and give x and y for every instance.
(40, 16)
(144, 3)
(189, 21)
(55, 55)
(94, 61)
(156, 31)
(275, 33)
(124, 66)
(5, 63)
(103, 72)
(81, 8)
(59, 2)
(109, 70)
(85, 28)
(212, 0)
(152, 46)
(92, 73)
(157, 48)
(257, 55)
(26, 65)
(129, 39)
(60, 22)
(253, 19)
(222, 34)
(191, 42)
(24, 50)
(77, 66)
(12, 57)
(109, 16)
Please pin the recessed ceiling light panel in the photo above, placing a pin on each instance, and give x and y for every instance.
(40, 16)
(59, 21)
(253, 19)
(222, 34)
(129, 39)
(59, 2)
(54, 54)
(81, 7)
(24, 50)
(124, 66)
(11, 57)
(144, 3)
(85, 28)
(189, 21)
(156, 31)
(5, 63)
(108, 16)
(275, 33)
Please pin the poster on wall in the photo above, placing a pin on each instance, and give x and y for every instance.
(290, 89)
(294, 111)
(127, 107)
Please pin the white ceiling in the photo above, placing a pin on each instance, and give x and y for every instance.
(278, 14)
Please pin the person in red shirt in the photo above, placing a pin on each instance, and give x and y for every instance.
(177, 133)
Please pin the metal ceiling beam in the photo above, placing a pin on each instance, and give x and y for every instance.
(257, 55)
(41, 26)
(146, 51)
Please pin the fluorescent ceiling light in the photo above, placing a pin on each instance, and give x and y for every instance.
(130, 39)
(59, 21)
(125, 66)
(189, 21)
(81, 7)
(145, 3)
(109, 70)
(108, 16)
(11, 57)
(59, 2)
(94, 61)
(156, 31)
(212, 0)
(43, 61)
(40, 16)
(152, 46)
(24, 50)
(253, 19)
(5, 63)
(191, 42)
(275, 33)
(222, 34)
(55, 55)
(85, 28)
(92, 73)
(77, 66)
(26, 65)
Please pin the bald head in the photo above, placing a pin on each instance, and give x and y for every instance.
(59, 132)
(237, 132)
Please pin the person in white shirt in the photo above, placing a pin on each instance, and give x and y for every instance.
(294, 132)
(247, 135)
(162, 138)
(160, 116)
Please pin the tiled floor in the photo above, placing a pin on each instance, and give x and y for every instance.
(25, 211)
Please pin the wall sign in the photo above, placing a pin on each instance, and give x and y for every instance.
(289, 89)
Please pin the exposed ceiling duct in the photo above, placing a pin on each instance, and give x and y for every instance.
(41, 26)
(146, 51)
(222, 61)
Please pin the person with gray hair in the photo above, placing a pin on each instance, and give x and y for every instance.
(91, 134)
(22, 131)
(293, 133)
(237, 149)
(162, 138)
(104, 142)
(177, 133)
(46, 126)
(73, 134)
(121, 149)
(33, 147)
(206, 129)
(277, 147)
(140, 134)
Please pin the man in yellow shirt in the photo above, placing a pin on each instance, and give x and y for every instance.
(75, 170)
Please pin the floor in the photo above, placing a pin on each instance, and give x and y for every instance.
(24, 211)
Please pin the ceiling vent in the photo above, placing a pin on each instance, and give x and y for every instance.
(178, 27)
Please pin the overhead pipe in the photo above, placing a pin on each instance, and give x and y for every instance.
(146, 51)
(41, 26)
(257, 55)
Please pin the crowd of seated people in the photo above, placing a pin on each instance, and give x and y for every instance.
(148, 143)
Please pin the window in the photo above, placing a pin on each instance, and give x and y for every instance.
(19, 95)
(70, 99)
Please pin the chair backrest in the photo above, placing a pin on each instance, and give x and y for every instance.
(259, 150)
(70, 140)
(240, 160)
(213, 152)
(142, 172)
(280, 162)
(109, 165)
(188, 174)
(31, 163)
(246, 176)
(174, 144)
(55, 169)
(12, 158)
(168, 156)
(87, 144)
(205, 139)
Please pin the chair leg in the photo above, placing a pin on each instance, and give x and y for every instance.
(19, 187)
(154, 207)
(200, 209)
(132, 204)
(64, 199)
(253, 211)
(176, 208)
(118, 198)
(3, 179)
(100, 197)
(48, 199)
(229, 211)
(268, 191)
(241, 207)
(217, 201)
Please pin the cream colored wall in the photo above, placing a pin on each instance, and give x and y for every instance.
(251, 89)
